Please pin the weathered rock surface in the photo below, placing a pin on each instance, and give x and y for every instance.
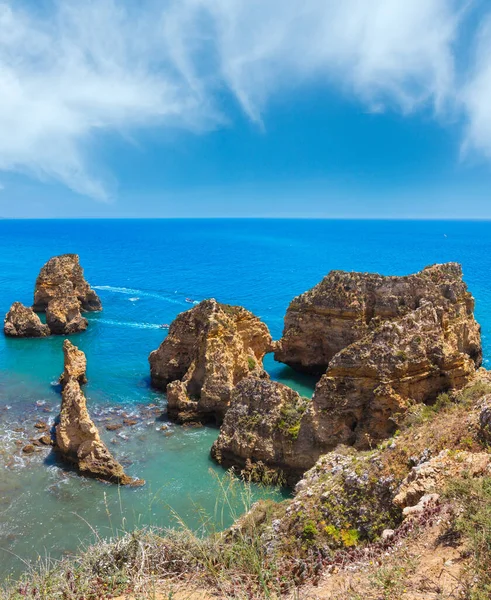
(75, 364)
(22, 321)
(56, 273)
(260, 430)
(77, 438)
(370, 383)
(207, 351)
(431, 476)
(344, 307)
(63, 315)
(432, 347)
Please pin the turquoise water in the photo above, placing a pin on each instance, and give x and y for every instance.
(143, 272)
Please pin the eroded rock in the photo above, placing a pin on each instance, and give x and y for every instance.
(75, 364)
(344, 307)
(208, 350)
(63, 312)
(22, 321)
(434, 345)
(432, 476)
(371, 383)
(77, 437)
(52, 280)
(260, 431)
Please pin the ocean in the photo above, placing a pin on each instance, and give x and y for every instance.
(145, 272)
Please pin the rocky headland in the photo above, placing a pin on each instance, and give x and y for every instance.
(61, 292)
(399, 341)
(209, 349)
(77, 438)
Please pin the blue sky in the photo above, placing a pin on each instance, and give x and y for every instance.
(268, 108)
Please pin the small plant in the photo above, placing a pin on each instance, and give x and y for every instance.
(251, 363)
(309, 531)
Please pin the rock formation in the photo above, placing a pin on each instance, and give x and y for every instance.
(52, 280)
(207, 351)
(75, 364)
(63, 312)
(390, 362)
(77, 438)
(373, 381)
(22, 321)
(344, 307)
(260, 430)
(62, 292)
(431, 476)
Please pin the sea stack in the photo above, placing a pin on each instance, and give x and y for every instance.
(407, 340)
(52, 280)
(22, 321)
(208, 350)
(61, 292)
(77, 438)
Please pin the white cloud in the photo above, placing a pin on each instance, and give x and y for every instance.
(86, 66)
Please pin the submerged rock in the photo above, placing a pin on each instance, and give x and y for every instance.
(207, 351)
(344, 307)
(52, 280)
(63, 312)
(22, 321)
(77, 438)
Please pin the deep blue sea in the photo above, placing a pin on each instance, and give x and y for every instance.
(143, 271)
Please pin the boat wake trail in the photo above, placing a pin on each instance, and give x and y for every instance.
(139, 293)
(129, 324)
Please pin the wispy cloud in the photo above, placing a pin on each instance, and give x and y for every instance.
(79, 67)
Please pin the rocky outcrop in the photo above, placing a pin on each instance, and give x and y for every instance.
(53, 279)
(432, 476)
(207, 352)
(63, 312)
(75, 364)
(22, 321)
(344, 307)
(77, 438)
(434, 346)
(370, 384)
(260, 432)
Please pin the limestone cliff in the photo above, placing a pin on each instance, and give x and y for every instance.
(344, 307)
(260, 431)
(77, 438)
(369, 384)
(22, 321)
(372, 382)
(59, 271)
(208, 350)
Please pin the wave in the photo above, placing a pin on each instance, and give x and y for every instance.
(129, 324)
(138, 293)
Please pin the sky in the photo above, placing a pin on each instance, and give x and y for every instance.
(245, 108)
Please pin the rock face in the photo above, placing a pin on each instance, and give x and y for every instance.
(430, 476)
(413, 359)
(63, 312)
(208, 350)
(390, 361)
(22, 321)
(261, 429)
(59, 271)
(75, 364)
(344, 307)
(77, 438)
